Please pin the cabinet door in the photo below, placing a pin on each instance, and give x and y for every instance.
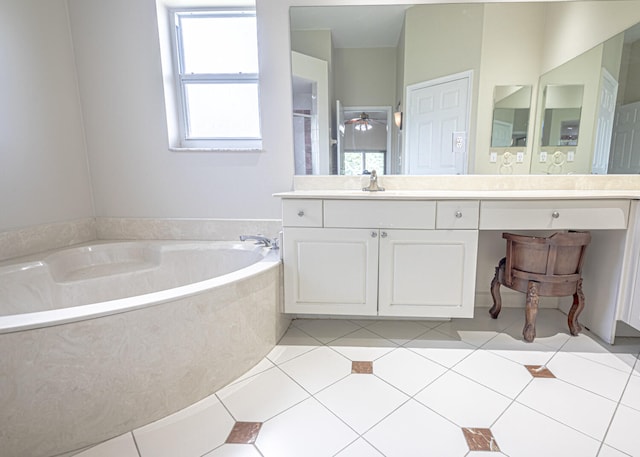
(427, 273)
(330, 271)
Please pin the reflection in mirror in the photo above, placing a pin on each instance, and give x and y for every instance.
(511, 106)
(562, 108)
(374, 53)
(364, 140)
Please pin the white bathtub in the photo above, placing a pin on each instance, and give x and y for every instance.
(94, 280)
(100, 339)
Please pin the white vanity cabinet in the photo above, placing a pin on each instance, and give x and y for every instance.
(374, 257)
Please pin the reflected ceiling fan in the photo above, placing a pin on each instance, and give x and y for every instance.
(363, 122)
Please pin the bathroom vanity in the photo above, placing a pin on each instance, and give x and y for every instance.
(415, 252)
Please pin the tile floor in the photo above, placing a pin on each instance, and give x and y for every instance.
(365, 388)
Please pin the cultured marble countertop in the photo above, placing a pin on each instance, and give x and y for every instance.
(469, 187)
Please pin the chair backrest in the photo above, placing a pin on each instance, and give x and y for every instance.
(545, 259)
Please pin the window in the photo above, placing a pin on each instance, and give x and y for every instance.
(216, 59)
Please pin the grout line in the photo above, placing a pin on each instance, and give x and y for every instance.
(135, 442)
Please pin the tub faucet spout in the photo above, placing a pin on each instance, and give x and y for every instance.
(261, 240)
(373, 183)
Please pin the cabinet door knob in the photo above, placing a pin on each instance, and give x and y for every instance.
(374, 234)
(300, 213)
(555, 215)
(384, 234)
(458, 214)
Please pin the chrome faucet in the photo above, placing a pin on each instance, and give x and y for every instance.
(373, 183)
(261, 240)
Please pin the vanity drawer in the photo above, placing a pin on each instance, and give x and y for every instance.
(407, 214)
(554, 214)
(463, 214)
(301, 213)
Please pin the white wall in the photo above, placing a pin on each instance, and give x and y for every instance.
(133, 171)
(43, 167)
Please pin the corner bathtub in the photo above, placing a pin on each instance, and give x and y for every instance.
(100, 339)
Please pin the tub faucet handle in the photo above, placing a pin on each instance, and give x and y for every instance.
(262, 240)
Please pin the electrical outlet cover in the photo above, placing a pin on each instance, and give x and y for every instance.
(543, 156)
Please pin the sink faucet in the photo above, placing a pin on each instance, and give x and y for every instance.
(261, 240)
(373, 183)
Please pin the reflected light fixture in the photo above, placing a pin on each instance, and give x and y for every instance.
(397, 117)
(363, 126)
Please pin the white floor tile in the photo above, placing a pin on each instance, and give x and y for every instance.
(621, 356)
(399, 332)
(307, 429)
(294, 343)
(608, 451)
(589, 375)
(359, 448)
(415, 430)
(361, 400)
(472, 332)
(262, 396)
(497, 373)
(631, 396)
(623, 432)
(235, 450)
(120, 446)
(406, 370)
(462, 401)
(190, 432)
(566, 403)
(262, 366)
(484, 454)
(522, 432)
(326, 330)
(518, 350)
(440, 348)
(318, 368)
(363, 345)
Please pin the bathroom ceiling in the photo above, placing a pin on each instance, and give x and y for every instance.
(353, 26)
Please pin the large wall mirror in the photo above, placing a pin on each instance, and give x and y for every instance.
(370, 56)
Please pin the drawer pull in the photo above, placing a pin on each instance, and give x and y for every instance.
(384, 234)
(300, 213)
(555, 215)
(458, 214)
(374, 234)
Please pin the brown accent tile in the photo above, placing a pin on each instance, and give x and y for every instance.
(480, 439)
(244, 432)
(539, 371)
(362, 367)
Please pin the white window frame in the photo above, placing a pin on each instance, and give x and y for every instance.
(182, 79)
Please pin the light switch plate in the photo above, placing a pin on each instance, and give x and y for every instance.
(571, 156)
(519, 157)
(493, 157)
(543, 156)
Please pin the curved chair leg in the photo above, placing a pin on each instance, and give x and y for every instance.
(531, 312)
(578, 305)
(495, 293)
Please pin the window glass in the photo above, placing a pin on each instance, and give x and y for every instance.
(223, 110)
(219, 44)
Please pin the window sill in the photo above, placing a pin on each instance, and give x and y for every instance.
(173, 149)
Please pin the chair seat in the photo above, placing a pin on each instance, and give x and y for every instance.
(542, 267)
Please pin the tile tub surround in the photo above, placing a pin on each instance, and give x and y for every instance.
(39, 238)
(31, 240)
(449, 389)
(73, 385)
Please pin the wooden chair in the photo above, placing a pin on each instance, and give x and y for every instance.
(542, 267)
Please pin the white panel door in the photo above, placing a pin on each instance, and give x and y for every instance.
(427, 273)
(625, 146)
(330, 271)
(437, 109)
(606, 115)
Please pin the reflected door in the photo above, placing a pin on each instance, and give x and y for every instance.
(625, 147)
(437, 109)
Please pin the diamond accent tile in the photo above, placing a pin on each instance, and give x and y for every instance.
(539, 371)
(362, 367)
(480, 439)
(244, 432)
